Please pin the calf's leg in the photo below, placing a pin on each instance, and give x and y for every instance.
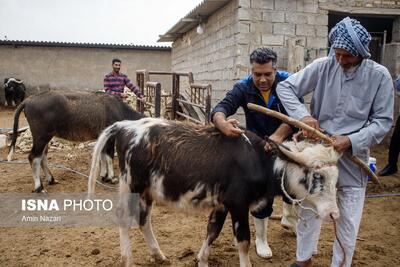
(35, 159)
(147, 230)
(124, 221)
(8, 101)
(45, 168)
(110, 149)
(103, 167)
(106, 165)
(241, 230)
(214, 227)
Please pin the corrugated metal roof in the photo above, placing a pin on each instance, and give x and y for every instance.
(82, 45)
(201, 12)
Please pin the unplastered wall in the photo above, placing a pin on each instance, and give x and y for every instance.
(211, 55)
(75, 68)
(220, 56)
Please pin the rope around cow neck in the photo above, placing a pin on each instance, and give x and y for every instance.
(294, 200)
(298, 202)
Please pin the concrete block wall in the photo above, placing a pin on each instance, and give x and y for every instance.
(300, 20)
(396, 30)
(390, 4)
(220, 56)
(211, 55)
(392, 58)
(75, 68)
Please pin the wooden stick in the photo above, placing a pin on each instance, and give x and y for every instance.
(366, 169)
(312, 130)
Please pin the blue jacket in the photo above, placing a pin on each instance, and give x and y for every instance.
(243, 92)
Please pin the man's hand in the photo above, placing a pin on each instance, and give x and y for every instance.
(267, 147)
(274, 137)
(229, 128)
(283, 131)
(341, 143)
(313, 123)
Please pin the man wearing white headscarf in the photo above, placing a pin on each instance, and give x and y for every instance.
(353, 102)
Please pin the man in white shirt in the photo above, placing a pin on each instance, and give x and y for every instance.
(353, 102)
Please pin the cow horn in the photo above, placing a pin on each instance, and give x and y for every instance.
(310, 129)
(13, 80)
(295, 156)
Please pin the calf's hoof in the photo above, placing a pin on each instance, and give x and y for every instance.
(40, 189)
(160, 259)
(52, 181)
(113, 180)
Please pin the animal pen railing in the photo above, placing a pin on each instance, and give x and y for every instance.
(193, 104)
(152, 99)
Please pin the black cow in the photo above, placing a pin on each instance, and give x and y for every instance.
(71, 116)
(14, 91)
(193, 167)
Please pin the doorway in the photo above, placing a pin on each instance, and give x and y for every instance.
(379, 27)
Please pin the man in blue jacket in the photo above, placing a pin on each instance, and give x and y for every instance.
(258, 88)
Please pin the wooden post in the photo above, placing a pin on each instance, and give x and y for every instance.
(174, 99)
(158, 101)
(190, 76)
(175, 96)
(207, 118)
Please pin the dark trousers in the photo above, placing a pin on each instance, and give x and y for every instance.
(394, 147)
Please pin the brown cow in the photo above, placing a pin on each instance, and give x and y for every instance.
(72, 116)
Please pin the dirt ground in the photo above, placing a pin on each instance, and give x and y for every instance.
(180, 235)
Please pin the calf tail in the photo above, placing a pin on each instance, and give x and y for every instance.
(105, 136)
(15, 131)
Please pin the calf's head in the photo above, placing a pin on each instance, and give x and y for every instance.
(311, 173)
